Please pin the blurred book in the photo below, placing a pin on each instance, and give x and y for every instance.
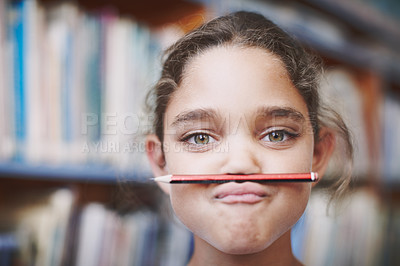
(42, 230)
(343, 94)
(351, 235)
(138, 238)
(391, 140)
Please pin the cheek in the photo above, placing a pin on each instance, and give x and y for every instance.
(294, 199)
(300, 157)
(191, 205)
(295, 160)
(187, 199)
(180, 161)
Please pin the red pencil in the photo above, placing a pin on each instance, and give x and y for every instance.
(184, 179)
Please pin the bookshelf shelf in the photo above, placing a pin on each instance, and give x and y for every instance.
(363, 17)
(90, 173)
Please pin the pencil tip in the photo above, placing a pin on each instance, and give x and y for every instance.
(164, 178)
(314, 176)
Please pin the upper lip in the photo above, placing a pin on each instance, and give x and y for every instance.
(234, 188)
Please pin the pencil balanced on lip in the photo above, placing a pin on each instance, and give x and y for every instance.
(224, 178)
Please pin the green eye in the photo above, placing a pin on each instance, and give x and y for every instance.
(201, 139)
(276, 136)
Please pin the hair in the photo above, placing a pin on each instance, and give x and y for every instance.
(248, 29)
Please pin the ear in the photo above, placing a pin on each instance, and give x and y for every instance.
(323, 150)
(156, 158)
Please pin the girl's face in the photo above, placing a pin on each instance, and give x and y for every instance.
(237, 112)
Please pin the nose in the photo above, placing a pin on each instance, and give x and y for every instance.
(241, 158)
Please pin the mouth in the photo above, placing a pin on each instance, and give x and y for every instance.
(233, 193)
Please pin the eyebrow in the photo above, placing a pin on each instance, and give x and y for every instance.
(194, 115)
(210, 114)
(279, 111)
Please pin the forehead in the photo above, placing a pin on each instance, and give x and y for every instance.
(226, 59)
(235, 80)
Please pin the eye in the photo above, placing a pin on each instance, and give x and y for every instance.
(200, 139)
(278, 136)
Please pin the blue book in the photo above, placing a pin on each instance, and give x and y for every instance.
(17, 30)
(93, 78)
(62, 15)
(66, 102)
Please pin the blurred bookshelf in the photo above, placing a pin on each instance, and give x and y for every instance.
(73, 76)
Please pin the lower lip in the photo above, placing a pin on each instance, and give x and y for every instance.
(249, 198)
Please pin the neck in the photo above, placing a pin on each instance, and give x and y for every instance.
(278, 253)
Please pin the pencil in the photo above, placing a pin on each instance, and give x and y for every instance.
(199, 179)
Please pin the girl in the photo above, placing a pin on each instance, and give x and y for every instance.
(239, 96)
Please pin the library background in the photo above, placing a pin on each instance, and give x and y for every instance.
(74, 181)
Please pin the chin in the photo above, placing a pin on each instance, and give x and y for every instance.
(243, 249)
(242, 245)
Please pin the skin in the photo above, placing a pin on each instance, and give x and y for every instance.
(222, 120)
